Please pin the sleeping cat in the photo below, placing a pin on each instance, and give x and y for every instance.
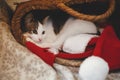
(43, 35)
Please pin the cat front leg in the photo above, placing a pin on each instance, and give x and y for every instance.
(55, 47)
(53, 50)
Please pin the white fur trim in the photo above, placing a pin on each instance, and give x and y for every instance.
(93, 68)
(77, 44)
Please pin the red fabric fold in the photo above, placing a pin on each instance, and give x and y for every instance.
(108, 48)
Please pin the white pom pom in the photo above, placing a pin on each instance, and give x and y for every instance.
(93, 68)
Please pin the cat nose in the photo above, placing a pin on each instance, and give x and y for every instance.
(40, 40)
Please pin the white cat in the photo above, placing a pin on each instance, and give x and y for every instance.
(45, 36)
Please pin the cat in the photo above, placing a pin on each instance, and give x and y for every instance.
(44, 35)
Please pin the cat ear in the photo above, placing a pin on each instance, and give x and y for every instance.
(39, 24)
(29, 15)
(45, 19)
(29, 18)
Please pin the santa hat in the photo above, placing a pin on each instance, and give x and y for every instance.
(104, 56)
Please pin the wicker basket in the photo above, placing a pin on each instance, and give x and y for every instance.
(28, 6)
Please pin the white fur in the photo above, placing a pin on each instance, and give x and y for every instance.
(93, 68)
(77, 44)
(49, 31)
(72, 27)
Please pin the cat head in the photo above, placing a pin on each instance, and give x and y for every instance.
(34, 27)
(38, 34)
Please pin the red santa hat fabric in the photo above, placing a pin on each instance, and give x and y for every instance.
(108, 48)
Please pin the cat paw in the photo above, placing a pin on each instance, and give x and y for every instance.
(56, 46)
(54, 50)
(26, 34)
(29, 39)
